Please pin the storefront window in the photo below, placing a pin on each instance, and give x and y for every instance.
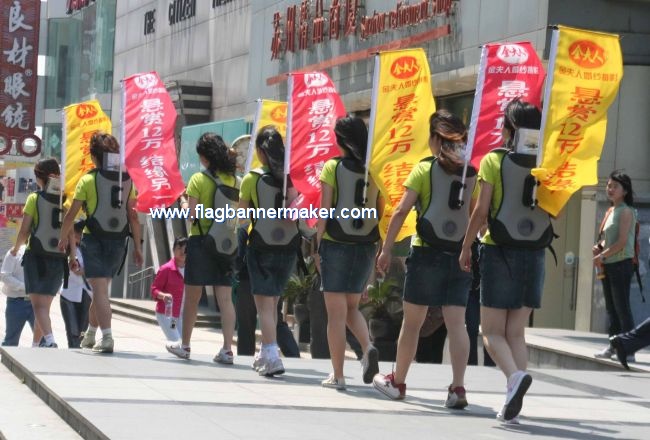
(460, 105)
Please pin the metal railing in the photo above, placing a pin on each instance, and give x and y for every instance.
(139, 283)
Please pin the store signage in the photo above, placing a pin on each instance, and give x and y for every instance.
(305, 26)
(150, 22)
(181, 10)
(18, 80)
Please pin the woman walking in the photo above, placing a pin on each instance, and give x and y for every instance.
(433, 277)
(271, 253)
(511, 253)
(108, 198)
(208, 262)
(347, 243)
(168, 288)
(44, 264)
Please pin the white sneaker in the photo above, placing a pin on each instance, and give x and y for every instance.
(606, 353)
(224, 357)
(88, 340)
(178, 350)
(271, 367)
(370, 364)
(258, 361)
(517, 387)
(333, 382)
(514, 421)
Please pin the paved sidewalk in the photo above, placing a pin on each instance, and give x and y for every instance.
(153, 395)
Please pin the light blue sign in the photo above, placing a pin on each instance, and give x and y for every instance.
(228, 130)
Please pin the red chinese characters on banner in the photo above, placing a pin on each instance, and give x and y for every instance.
(150, 151)
(18, 80)
(584, 104)
(315, 107)
(508, 71)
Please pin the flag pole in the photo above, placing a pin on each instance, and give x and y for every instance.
(287, 144)
(251, 145)
(371, 125)
(555, 37)
(476, 108)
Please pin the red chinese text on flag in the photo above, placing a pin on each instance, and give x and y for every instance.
(148, 141)
(507, 71)
(314, 107)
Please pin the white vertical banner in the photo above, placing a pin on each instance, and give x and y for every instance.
(251, 145)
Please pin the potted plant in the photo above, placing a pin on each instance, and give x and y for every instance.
(383, 310)
(297, 293)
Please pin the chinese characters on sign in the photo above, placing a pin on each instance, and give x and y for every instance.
(19, 55)
(317, 23)
(507, 71)
(315, 107)
(150, 151)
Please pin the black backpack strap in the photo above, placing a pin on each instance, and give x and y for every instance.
(126, 251)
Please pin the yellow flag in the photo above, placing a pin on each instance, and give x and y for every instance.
(80, 121)
(402, 103)
(268, 113)
(585, 70)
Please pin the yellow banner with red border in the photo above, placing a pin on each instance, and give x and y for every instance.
(399, 126)
(80, 122)
(585, 70)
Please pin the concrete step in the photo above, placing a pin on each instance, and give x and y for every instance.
(144, 311)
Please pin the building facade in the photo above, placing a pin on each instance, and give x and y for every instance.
(243, 49)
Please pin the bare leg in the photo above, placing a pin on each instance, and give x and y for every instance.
(190, 309)
(41, 305)
(356, 322)
(458, 342)
(515, 329)
(224, 299)
(101, 303)
(493, 324)
(267, 315)
(337, 309)
(407, 344)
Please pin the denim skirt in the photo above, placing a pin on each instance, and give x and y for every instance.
(43, 275)
(102, 256)
(269, 270)
(205, 269)
(511, 278)
(434, 278)
(346, 267)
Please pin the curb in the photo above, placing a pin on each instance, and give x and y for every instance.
(71, 416)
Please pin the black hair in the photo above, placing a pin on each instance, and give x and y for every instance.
(213, 148)
(45, 168)
(521, 114)
(625, 181)
(269, 142)
(179, 242)
(453, 139)
(100, 143)
(352, 136)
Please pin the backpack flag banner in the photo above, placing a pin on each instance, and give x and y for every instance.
(585, 70)
(507, 71)
(149, 119)
(268, 113)
(314, 106)
(398, 137)
(80, 122)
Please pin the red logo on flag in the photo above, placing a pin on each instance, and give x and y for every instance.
(587, 54)
(85, 111)
(279, 113)
(405, 67)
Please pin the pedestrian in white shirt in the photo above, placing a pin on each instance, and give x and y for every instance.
(76, 298)
(19, 308)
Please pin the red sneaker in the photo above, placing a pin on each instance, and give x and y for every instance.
(386, 384)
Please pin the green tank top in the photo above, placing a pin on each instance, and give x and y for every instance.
(611, 234)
